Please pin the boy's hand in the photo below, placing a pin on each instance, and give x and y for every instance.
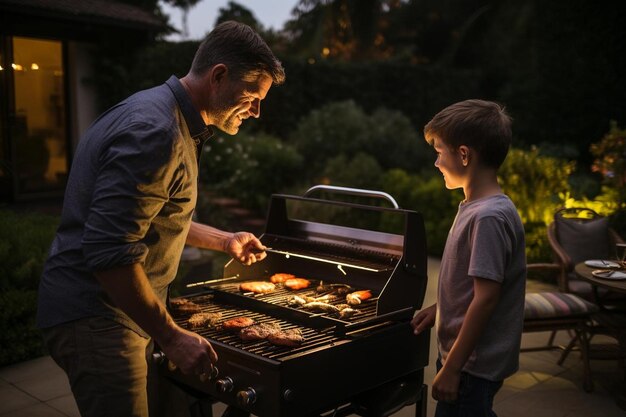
(424, 319)
(446, 385)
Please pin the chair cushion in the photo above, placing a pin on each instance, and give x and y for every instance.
(546, 305)
(584, 239)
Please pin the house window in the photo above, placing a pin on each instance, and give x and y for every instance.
(37, 155)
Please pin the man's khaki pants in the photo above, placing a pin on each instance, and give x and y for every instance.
(110, 371)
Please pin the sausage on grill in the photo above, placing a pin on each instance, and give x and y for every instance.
(357, 297)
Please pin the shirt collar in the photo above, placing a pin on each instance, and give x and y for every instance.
(197, 128)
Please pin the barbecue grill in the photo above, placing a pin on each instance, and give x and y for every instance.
(369, 364)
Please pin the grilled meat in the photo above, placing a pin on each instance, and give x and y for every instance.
(301, 299)
(257, 287)
(237, 323)
(290, 338)
(296, 301)
(320, 307)
(184, 306)
(199, 320)
(340, 289)
(281, 277)
(345, 311)
(357, 297)
(259, 331)
(297, 283)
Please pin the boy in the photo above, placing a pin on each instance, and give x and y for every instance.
(480, 298)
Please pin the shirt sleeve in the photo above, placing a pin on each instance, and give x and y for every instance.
(491, 247)
(136, 172)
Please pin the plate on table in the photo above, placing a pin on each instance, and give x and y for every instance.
(599, 263)
(603, 273)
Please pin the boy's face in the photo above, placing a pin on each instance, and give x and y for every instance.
(450, 163)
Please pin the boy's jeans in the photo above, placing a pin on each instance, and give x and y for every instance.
(475, 398)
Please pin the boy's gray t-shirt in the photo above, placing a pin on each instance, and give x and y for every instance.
(485, 241)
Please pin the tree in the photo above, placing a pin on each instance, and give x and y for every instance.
(239, 13)
(185, 6)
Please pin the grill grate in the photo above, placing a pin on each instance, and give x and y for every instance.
(313, 338)
(365, 310)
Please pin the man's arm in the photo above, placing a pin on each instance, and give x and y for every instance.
(243, 246)
(486, 296)
(129, 289)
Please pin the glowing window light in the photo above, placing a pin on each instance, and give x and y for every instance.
(17, 67)
(34, 66)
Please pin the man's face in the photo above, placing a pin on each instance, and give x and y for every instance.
(238, 100)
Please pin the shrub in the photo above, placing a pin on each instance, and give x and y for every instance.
(538, 185)
(24, 243)
(344, 128)
(250, 167)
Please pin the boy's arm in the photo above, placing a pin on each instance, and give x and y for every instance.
(486, 296)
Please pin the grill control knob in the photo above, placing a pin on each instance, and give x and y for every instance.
(224, 385)
(247, 397)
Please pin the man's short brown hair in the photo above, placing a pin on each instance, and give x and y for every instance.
(481, 125)
(241, 49)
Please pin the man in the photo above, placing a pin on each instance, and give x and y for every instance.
(126, 217)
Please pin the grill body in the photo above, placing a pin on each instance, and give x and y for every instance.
(370, 364)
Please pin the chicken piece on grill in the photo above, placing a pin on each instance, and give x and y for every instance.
(184, 306)
(290, 338)
(204, 320)
(357, 297)
(296, 301)
(345, 311)
(281, 277)
(320, 307)
(237, 323)
(297, 283)
(259, 331)
(339, 289)
(257, 287)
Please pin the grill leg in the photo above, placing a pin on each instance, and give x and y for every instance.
(235, 412)
(422, 402)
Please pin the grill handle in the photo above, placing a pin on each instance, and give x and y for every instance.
(353, 191)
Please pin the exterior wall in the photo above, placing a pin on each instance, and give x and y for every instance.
(83, 94)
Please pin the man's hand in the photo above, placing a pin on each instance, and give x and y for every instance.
(190, 352)
(245, 247)
(424, 319)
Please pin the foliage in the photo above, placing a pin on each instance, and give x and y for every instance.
(250, 167)
(429, 196)
(536, 184)
(24, 243)
(361, 171)
(19, 337)
(610, 161)
(343, 128)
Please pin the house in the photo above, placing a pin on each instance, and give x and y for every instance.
(47, 52)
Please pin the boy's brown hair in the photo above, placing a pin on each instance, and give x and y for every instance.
(481, 125)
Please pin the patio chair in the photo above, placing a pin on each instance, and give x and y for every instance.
(553, 311)
(577, 235)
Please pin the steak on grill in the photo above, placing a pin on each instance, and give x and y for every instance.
(199, 320)
(290, 338)
(259, 331)
(237, 323)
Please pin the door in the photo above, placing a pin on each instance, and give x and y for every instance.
(35, 141)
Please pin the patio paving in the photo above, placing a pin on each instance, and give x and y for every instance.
(38, 388)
